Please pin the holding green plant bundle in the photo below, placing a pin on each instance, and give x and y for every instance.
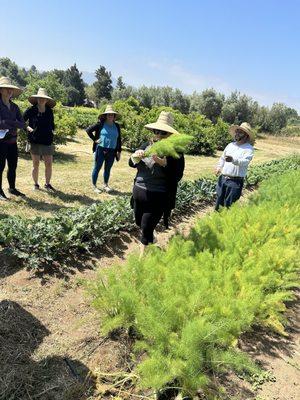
(160, 165)
(173, 146)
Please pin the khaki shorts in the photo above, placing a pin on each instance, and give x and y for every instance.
(41, 149)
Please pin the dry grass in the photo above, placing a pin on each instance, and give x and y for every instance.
(72, 175)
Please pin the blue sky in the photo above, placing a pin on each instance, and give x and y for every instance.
(251, 46)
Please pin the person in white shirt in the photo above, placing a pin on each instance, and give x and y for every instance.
(233, 164)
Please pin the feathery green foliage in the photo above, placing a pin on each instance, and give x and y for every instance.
(171, 146)
(190, 302)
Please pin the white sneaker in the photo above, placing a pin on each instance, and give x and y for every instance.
(97, 190)
(107, 189)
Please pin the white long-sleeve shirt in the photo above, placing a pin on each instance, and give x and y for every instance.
(242, 154)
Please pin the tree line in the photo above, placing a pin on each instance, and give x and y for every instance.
(68, 87)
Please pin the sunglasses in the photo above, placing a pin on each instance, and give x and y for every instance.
(158, 132)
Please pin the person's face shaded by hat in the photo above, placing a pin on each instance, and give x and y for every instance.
(241, 136)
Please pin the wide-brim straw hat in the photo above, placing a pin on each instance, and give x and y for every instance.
(244, 127)
(42, 94)
(109, 110)
(6, 83)
(164, 123)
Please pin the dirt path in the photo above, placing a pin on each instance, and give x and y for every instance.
(54, 342)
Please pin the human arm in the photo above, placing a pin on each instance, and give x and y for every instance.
(242, 161)
(91, 131)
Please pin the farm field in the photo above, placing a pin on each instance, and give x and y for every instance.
(54, 332)
(72, 170)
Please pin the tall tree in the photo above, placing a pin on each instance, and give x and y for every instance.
(103, 84)
(120, 84)
(74, 84)
(11, 70)
(208, 103)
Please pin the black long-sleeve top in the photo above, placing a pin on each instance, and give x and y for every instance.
(42, 125)
(94, 133)
(11, 119)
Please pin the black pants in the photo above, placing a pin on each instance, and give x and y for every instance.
(9, 153)
(228, 191)
(148, 210)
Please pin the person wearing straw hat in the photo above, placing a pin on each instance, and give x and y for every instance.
(107, 145)
(40, 135)
(155, 184)
(233, 164)
(10, 121)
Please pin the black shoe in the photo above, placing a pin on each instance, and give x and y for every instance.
(36, 186)
(16, 192)
(49, 187)
(2, 195)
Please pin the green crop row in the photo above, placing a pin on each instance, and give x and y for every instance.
(188, 304)
(41, 241)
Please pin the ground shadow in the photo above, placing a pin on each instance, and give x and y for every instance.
(58, 156)
(44, 205)
(22, 376)
(70, 197)
(115, 192)
(63, 158)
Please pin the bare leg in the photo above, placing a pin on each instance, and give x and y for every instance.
(48, 168)
(35, 169)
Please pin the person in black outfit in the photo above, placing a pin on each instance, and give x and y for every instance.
(107, 146)
(10, 121)
(40, 135)
(155, 185)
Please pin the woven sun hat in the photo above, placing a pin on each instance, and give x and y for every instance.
(42, 94)
(244, 127)
(164, 123)
(109, 110)
(6, 83)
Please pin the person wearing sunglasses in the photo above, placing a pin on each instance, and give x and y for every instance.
(233, 164)
(155, 184)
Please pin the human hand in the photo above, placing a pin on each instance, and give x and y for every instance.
(218, 171)
(228, 159)
(160, 161)
(139, 154)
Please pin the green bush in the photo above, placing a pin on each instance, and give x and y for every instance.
(188, 304)
(84, 116)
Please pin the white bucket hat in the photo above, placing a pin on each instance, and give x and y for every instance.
(164, 123)
(109, 110)
(42, 94)
(244, 127)
(6, 83)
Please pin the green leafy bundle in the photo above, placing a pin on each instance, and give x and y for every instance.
(171, 146)
(189, 303)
